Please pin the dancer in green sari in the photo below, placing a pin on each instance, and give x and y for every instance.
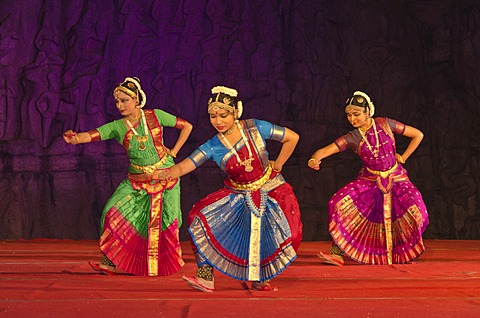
(140, 222)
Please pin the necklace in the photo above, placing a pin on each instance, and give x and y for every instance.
(374, 151)
(135, 117)
(141, 139)
(232, 129)
(247, 163)
(365, 129)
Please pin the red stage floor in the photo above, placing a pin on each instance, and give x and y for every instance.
(50, 278)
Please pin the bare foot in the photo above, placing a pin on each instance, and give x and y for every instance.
(104, 269)
(331, 259)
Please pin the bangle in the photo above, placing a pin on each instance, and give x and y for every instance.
(315, 160)
(167, 176)
(75, 140)
(401, 159)
(172, 154)
(272, 164)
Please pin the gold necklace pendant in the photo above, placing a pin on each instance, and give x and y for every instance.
(141, 141)
(247, 163)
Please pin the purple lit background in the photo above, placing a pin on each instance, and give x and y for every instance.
(293, 62)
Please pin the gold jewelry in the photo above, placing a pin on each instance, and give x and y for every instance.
(383, 174)
(141, 139)
(232, 129)
(215, 106)
(400, 158)
(312, 159)
(224, 98)
(255, 185)
(247, 163)
(375, 150)
(150, 168)
(272, 164)
(172, 154)
(134, 117)
(369, 126)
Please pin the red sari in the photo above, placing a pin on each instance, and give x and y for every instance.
(251, 228)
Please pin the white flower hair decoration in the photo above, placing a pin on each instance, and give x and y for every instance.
(222, 89)
(231, 92)
(143, 98)
(371, 107)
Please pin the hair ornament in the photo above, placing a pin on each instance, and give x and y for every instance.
(363, 100)
(239, 109)
(225, 98)
(131, 86)
(222, 89)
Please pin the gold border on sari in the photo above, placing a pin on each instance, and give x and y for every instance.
(156, 131)
(180, 123)
(149, 169)
(387, 216)
(257, 141)
(254, 261)
(154, 233)
(255, 185)
(94, 135)
(383, 174)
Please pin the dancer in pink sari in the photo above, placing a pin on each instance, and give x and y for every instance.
(379, 218)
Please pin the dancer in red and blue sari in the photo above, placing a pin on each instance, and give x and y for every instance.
(380, 217)
(250, 229)
(141, 220)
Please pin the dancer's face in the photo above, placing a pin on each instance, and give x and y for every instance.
(125, 104)
(356, 115)
(222, 120)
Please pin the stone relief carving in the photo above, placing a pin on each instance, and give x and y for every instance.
(293, 63)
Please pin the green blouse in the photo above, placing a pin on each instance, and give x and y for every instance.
(117, 130)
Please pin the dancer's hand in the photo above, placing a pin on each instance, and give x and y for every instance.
(275, 171)
(164, 174)
(314, 163)
(170, 152)
(71, 137)
(399, 158)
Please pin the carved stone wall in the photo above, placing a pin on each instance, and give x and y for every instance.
(293, 62)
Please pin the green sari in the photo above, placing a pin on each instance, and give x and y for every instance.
(141, 220)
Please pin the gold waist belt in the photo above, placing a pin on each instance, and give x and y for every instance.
(150, 168)
(255, 185)
(383, 174)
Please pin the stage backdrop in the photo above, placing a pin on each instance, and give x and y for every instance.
(294, 63)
